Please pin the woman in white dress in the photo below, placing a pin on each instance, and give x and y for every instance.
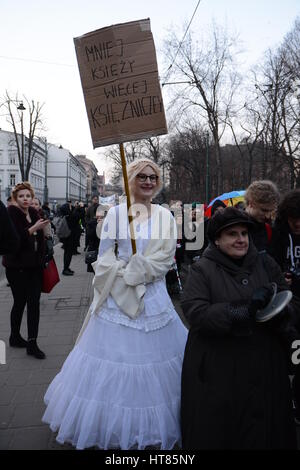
(120, 386)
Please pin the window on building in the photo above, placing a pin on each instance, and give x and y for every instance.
(12, 179)
(12, 159)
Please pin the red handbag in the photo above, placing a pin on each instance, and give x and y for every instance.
(50, 276)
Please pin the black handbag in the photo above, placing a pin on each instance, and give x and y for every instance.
(91, 256)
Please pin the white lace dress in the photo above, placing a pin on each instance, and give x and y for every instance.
(120, 385)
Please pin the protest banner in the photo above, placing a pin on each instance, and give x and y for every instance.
(119, 77)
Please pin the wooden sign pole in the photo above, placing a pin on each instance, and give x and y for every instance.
(130, 218)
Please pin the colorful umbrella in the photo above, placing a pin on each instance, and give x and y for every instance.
(230, 199)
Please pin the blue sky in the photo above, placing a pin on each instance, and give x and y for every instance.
(43, 31)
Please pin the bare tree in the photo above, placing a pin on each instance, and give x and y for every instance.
(25, 143)
(278, 108)
(209, 68)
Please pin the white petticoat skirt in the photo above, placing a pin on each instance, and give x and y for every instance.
(119, 388)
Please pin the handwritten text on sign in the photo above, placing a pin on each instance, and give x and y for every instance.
(119, 76)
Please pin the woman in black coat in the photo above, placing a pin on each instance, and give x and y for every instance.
(24, 268)
(235, 385)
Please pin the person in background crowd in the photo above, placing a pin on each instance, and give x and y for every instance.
(45, 207)
(48, 214)
(24, 268)
(79, 212)
(93, 228)
(261, 199)
(9, 201)
(9, 239)
(90, 214)
(72, 218)
(91, 211)
(44, 214)
(193, 226)
(240, 205)
(120, 386)
(235, 386)
(285, 249)
(218, 205)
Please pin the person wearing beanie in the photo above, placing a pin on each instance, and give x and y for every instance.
(235, 386)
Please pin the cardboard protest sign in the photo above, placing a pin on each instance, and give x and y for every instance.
(119, 77)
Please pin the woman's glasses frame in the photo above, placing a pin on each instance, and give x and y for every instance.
(143, 178)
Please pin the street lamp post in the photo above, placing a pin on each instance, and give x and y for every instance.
(67, 181)
(20, 107)
(46, 171)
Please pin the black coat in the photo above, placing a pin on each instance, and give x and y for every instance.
(72, 217)
(9, 239)
(279, 247)
(27, 256)
(93, 240)
(235, 389)
(259, 235)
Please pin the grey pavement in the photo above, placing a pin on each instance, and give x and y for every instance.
(23, 379)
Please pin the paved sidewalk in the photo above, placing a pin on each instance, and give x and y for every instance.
(23, 379)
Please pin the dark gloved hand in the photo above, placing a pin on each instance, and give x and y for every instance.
(241, 318)
(260, 298)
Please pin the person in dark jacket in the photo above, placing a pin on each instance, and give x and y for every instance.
(218, 205)
(262, 198)
(9, 239)
(24, 268)
(91, 211)
(72, 217)
(285, 249)
(93, 229)
(90, 214)
(235, 386)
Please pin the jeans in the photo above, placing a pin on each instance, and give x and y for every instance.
(26, 285)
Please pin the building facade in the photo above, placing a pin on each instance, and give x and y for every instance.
(91, 176)
(10, 173)
(66, 176)
(101, 184)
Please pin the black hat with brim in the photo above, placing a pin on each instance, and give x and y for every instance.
(226, 218)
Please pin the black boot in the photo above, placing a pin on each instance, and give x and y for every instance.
(16, 341)
(33, 349)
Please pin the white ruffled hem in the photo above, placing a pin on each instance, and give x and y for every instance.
(91, 423)
(122, 391)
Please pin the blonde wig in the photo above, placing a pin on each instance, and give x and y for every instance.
(137, 166)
